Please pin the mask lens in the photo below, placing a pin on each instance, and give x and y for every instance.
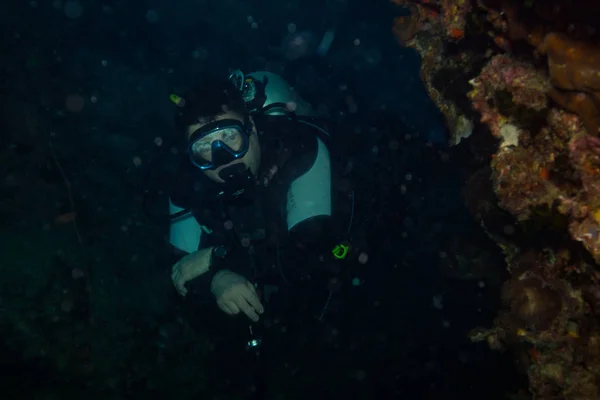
(213, 148)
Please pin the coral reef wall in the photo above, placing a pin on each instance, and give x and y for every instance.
(527, 74)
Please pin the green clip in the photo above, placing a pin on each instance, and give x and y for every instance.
(178, 101)
(340, 251)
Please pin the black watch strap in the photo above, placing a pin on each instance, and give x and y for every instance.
(217, 259)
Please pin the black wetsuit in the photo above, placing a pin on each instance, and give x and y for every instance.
(255, 230)
(261, 249)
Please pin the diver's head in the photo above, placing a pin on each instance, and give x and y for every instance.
(218, 133)
(224, 141)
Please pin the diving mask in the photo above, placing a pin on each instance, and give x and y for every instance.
(219, 143)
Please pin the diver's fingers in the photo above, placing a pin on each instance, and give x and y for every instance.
(180, 286)
(252, 298)
(247, 308)
(229, 307)
(182, 290)
(178, 282)
(250, 286)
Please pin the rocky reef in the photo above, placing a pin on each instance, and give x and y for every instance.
(526, 75)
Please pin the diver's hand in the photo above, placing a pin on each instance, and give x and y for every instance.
(190, 267)
(235, 293)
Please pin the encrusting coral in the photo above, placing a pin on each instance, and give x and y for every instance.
(530, 74)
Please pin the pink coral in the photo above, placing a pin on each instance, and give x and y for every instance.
(525, 86)
(585, 153)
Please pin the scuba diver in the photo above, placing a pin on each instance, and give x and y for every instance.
(252, 204)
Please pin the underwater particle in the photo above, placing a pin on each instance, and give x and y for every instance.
(291, 28)
(250, 19)
(408, 176)
(158, 141)
(357, 42)
(66, 305)
(200, 54)
(373, 56)
(481, 284)
(245, 242)
(104, 63)
(74, 102)
(94, 99)
(356, 282)
(254, 25)
(394, 145)
(438, 301)
(228, 225)
(57, 4)
(446, 323)
(375, 150)
(360, 375)
(363, 258)
(334, 285)
(297, 45)
(326, 42)
(77, 273)
(352, 108)
(436, 135)
(73, 9)
(137, 161)
(152, 16)
(403, 189)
